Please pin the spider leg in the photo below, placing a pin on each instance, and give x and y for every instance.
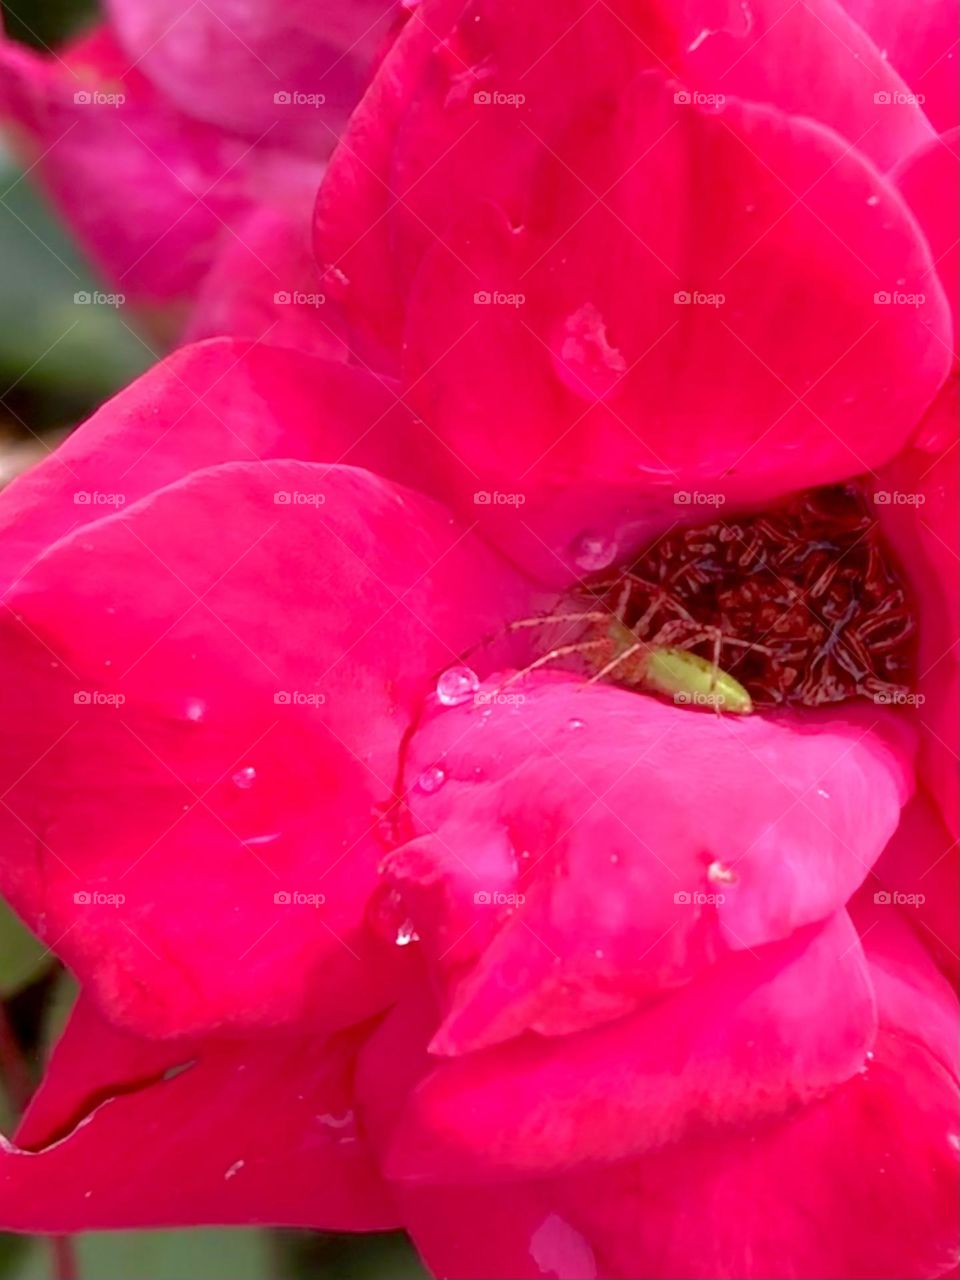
(562, 652)
(615, 662)
(545, 620)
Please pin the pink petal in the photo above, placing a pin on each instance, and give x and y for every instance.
(918, 503)
(918, 871)
(211, 403)
(225, 61)
(921, 45)
(646, 841)
(862, 1184)
(422, 147)
(267, 286)
(469, 1232)
(628, 396)
(184, 186)
(756, 1035)
(134, 1133)
(928, 181)
(270, 652)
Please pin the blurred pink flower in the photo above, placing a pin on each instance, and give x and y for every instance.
(167, 132)
(564, 979)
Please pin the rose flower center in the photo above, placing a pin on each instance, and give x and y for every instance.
(798, 604)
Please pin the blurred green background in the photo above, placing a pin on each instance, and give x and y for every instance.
(57, 362)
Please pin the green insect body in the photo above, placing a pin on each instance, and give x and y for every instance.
(687, 678)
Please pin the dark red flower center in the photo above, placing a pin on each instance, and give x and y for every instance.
(802, 603)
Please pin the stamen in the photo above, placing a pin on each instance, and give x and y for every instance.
(799, 604)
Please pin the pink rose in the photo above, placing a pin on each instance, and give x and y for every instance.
(168, 134)
(386, 912)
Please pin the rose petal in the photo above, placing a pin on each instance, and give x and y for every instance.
(132, 1133)
(214, 402)
(756, 1035)
(862, 1184)
(923, 50)
(243, 651)
(662, 367)
(226, 61)
(928, 181)
(185, 185)
(645, 839)
(267, 285)
(424, 144)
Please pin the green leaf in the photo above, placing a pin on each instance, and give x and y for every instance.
(49, 341)
(22, 957)
(57, 1012)
(208, 1254)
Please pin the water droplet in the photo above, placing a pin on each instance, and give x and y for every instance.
(195, 710)
(406, 934)
(594, 551)
(432, 779)
(872, 200)
(559, 1249)
(457, 685)
(576, 724)
(717, 873)
(821, 792)
(234, 1169)
(245, 778)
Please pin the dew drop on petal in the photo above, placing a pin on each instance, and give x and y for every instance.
(717, 873)
(576, 724)
(559, 1249)
(245, 778)
(594, 551)
(195, 710)
(457, 685)
(432, 779)
(406, 934)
